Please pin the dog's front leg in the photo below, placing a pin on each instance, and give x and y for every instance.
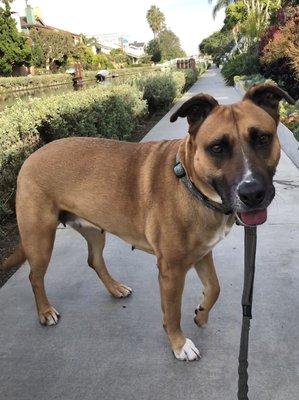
(206, 271)
(171, 280)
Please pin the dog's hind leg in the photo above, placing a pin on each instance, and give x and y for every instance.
(206, 271)
(37, 227)
(96, 242)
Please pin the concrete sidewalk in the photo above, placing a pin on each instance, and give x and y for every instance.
(110, 349)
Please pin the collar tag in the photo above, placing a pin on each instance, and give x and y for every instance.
(179, 170)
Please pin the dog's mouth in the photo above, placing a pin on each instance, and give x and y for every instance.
(252, 218)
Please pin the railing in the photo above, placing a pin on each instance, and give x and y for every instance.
(186, 63)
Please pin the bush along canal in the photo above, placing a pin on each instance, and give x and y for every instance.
(39, 86)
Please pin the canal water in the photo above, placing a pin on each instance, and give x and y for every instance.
(8, 99)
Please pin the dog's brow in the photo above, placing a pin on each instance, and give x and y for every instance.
(220, 139)
(255, 130)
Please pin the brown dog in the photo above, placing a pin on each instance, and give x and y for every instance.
(130, 190)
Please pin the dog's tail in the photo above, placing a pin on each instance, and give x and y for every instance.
(16, 259)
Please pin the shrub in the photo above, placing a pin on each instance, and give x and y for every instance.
(283, 41)
(190, 77)
(29, 82)
(159, 90)
(290, 117)
(103, 112)
(179, 78)
(284, 74)
(241, 64)
(24, 82)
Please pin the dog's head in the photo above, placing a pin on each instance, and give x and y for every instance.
(232, 151)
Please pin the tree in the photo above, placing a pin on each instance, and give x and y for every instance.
(90, 42)
(118, 57)
(246, 18)
(38, 56)
(153, 49)
(219, 5)
(102, 61)
(84, 54)
(235, 13)
(14, 49)
(166, 47)
(252, 4)
(170, 45)
(156, 20)
(216, 44)
(50, 45)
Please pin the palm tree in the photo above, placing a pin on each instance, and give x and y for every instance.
(156, 20)
(219, 5)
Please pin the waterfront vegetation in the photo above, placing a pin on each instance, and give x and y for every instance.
(15, 83)
(109, 112)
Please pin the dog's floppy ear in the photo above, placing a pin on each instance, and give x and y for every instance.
(268, 96)
(195, 109)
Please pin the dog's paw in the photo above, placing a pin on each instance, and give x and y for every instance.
(188, 352)
(49, 317)
(201, 316)
(119, 290)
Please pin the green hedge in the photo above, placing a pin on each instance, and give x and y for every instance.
(241, 64)
(25, 82)
(105, 112)
(191, 76)
(160, 90)
(36, 81)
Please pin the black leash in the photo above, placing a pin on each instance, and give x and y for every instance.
(249, 269)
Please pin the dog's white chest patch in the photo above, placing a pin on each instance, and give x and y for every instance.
(220, 234)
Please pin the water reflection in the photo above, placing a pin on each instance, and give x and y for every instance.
(8, 99)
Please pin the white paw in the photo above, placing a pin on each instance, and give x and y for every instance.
(49, 317)
(119, 290)
(188, 353)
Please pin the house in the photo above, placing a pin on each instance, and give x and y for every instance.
(33, 21)
(134, 50)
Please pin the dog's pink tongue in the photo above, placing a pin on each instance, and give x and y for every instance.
(254, 217)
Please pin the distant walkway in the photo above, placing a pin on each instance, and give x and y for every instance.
(101, 350)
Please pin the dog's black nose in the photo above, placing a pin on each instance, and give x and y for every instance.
(252, 193)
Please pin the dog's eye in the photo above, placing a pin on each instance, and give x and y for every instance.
(259, 138)
(220, 148)
(264, 139)
(216, 148)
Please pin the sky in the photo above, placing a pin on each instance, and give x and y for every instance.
(190, 20)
